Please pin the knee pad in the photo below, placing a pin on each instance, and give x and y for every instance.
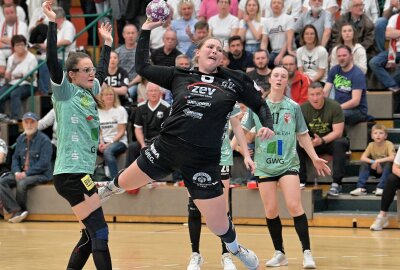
(194, 212)
(98, 229)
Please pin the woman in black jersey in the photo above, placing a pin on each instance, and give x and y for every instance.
(78, 139)
(191, 137)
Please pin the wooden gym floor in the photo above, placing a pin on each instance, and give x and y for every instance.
(47, 245)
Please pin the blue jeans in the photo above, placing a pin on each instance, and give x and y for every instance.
(365, 170)
(16, 97)
(110, 156)
(380, 29)
(354, 116)
(44, 78)
(252, 48)
(377, 65)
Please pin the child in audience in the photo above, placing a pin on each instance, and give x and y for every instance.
(378, 157)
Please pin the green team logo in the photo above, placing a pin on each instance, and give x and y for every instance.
(342, 83)
(85, 101)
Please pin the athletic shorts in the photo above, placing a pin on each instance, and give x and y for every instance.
(225, 172)
(73, 186)
(262, 179)
(199, 165)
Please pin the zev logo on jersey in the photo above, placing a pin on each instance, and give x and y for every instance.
(201, 89)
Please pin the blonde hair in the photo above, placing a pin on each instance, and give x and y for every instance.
(380, 127)
(258, 16)
(105, 90)
(184, 2)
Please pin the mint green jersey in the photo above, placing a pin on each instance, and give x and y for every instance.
(276, 156)
(226, 149)
(77, 127)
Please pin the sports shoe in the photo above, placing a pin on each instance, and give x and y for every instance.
(195, 261)
(18, 217)
(380, 223)
(358, 192)
(378, 191)
(308, 261)
(334, 190)
(107, 190)
(302, 185)
(247, 257)
(227, 262)
(279, 259)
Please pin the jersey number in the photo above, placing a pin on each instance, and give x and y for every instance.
(275, 118)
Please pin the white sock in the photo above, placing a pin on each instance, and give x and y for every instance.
(233, 247)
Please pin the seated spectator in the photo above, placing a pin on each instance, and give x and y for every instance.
(297, 81)
(274, 32)
(49, 120)
(260, 75)
(200, 31)
(19, 64)
(239, 59)
(30, 166)
(20, 11)
(349, 87)
(328, 5)
(165, 56)
(113, 120)
(175, 3)
(11, 26)
(223, 25)
(389, 192)
(182, 61)
(325, 121)
(390, 8)
(290, 7)
(387, 60)
(312, 58)
(250, 27)
(38, 24)
(3, 158)
(319, 18)
(364, 26)
(348, 37)
(148, 119)
(157, 34)
(209, 8)
(184, 26)
(378, 157)
(118, 79)
(371, 8)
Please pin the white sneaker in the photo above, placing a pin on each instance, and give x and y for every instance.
(247, 257)
(279, 259)
(380, 223)
(308, 261)
(18, 217)
(227, 262)
(195, 261)
(107, 190)
(358, 192)
(378, 191)
(302, 185)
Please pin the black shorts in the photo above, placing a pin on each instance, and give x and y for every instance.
(199, 165)
(276, 178)
(73, 186)
(225, 172)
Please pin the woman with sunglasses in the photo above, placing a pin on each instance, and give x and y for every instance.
(191, 137)
(78, 138)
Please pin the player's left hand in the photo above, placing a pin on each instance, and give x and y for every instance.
(265, 133)
(321, 167)
(105, 31)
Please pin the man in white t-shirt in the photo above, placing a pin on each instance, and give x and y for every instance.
(390, 8)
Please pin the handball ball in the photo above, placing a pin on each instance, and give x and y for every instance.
(157, 10)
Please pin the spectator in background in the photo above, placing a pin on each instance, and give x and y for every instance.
(165, 56)
(390, 8)
(126, 53)
(182, 61)
(3, 160)
(184, 26)
(371, 8)
(113, 120)
(239, 59)
(31, 166)
(389, 192)
(49, 120)
(118, 79)
(325, 121)
(101, 7)
(378, 158)
(348, 37)
(156, 37)
(223, 25)
(274, 32)
(175, 3)
(260, 75)
(88, 8)
(312, 58)
(65, 5)
(250, 27)
(328, 5)
(349, 87)
(297, 81)
(38, 24)
(290, 7)
(319, 18)
(364, 26)
(20, 11)
(200, 31)
(209, 8)
(19, 64)
(10, 26)
(148, 119)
